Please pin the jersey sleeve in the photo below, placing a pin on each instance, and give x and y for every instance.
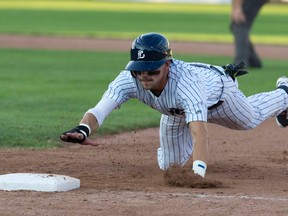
(118, 92)
(122, 88)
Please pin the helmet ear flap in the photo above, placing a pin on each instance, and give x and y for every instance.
(169, 53)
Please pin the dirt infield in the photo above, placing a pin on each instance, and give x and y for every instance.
(121, 176)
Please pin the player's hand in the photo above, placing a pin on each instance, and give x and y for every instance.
(238, 16)
(79, 135)
(77, 138)
(90, 142)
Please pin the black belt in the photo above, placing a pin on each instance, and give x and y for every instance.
(216, 105)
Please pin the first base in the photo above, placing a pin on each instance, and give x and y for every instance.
(38, 182)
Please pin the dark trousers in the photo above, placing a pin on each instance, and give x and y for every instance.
(244, 49)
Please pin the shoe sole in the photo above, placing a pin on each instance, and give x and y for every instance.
(278, 123)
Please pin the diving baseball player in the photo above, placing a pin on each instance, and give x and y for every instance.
(188, 95)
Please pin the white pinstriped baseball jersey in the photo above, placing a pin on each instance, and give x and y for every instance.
(185, 91)
(189, 95)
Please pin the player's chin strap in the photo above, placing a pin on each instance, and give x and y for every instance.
(235, 70)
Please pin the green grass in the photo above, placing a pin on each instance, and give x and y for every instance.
(46, 92)
(186, 22)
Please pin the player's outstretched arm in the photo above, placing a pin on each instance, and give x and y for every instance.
(200, 149)
(80, 133)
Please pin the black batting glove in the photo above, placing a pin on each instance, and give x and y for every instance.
(235, 70)
(82, 129)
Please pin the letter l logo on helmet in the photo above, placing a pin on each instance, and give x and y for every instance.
(141, 54)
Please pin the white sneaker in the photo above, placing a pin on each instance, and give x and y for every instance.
(282, 118)
(282, 81)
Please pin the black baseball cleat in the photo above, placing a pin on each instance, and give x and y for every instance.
(282, 118)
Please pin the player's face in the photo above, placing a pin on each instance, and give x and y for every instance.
(154, 80)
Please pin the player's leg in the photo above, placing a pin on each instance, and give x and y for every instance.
(175, 142)
(241, 112)
(244, 49)
(253, 58)
(251, 10)
(241, 42)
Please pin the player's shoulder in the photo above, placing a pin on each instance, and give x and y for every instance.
(189, 66)
(181, 68)
(125, 73)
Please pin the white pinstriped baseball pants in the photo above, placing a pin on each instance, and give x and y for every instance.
(237, 112)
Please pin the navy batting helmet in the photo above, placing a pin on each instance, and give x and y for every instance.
(149, 52)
